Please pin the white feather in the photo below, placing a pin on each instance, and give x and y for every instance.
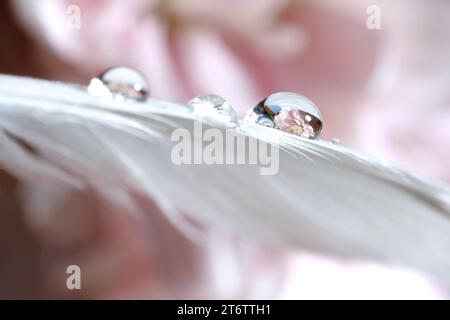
(325, 197)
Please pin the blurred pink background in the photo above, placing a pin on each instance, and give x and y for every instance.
(382, 91)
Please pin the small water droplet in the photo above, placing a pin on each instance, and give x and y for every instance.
(336, 141)
(120, 83)
(214, 107)
(289, 112)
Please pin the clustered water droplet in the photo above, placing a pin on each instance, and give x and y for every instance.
(286, 111)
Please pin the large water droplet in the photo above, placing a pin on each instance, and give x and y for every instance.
(289, 112)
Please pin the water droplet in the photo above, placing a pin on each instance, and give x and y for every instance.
(336, 141)
(289, 112)
(120, 83)
(214, 107)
